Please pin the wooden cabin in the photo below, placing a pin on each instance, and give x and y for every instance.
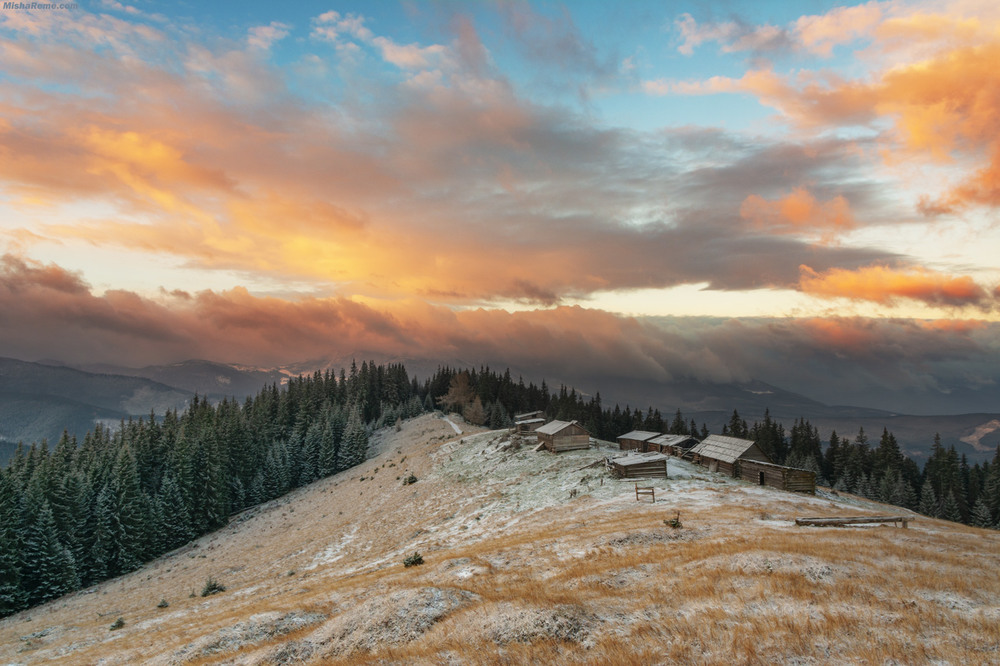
(633, 465)
(563, 436)
(673, 445)
(525, 426)
(719, 453)
(636, 440)
(778, 476)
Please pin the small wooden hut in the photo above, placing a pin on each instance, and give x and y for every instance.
(563, 436)
(525, 426)
(719, 453)
(778, 476)
(636, 440)
(673, 445)
(633, 465)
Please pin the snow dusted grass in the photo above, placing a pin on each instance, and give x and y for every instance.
(532, 557)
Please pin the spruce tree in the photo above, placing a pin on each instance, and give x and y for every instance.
(981, 516)
(176, 525)
(928, 499)
(53, 571)
(950, 509)
(329, 448)
(12, 596)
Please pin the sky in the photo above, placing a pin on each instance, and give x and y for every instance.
(804, 193)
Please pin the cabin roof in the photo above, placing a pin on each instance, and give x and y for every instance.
(640, 435)
(527, 415)
(523, 421)
(777, 466)
(554, 427)
(671, 440)
(638, 458)
(725, 449)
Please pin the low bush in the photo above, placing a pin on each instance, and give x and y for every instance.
(413, 560)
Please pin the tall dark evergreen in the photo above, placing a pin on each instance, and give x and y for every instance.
(12, 595)
(48, 566)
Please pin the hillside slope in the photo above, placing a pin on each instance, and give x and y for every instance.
(531, 557)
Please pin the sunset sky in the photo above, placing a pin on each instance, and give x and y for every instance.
(719, 190)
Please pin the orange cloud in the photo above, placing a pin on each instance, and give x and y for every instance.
(882, 284)
(798, 212)
(819, 34)
(840, 334)
(944, 108)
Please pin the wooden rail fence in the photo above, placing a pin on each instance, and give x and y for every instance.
(853, 520)
(651, 492)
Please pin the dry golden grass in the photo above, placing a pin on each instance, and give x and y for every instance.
(598, 579)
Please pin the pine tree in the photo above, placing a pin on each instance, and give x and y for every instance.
(981, 516)
(950, 510)
(329, 447)
(130, 515)
(176, 526)
(678, 425)
(99, 538)
(992, 487)
(12, 596)
(53, 571)
(928, 499)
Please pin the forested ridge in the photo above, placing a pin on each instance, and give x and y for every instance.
(86, 511)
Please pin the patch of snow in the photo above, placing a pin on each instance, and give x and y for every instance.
(335, 551)
(458, 431)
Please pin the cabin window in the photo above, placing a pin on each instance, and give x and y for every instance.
(760, 478)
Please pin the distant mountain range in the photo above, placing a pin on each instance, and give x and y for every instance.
(206, 378)
(40, 400)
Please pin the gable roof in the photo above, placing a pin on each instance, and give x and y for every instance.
(725, 449)
(638, 458)
(640, 435)
(671, 440)
(553, 427)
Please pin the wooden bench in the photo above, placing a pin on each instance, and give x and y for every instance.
(853, 520)
(645, 491)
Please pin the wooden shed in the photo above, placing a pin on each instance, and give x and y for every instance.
(778, 476)
(673, 445)
(528, 425)
(719, 453)
(636, 440)
(563, 436)
(650, 465)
